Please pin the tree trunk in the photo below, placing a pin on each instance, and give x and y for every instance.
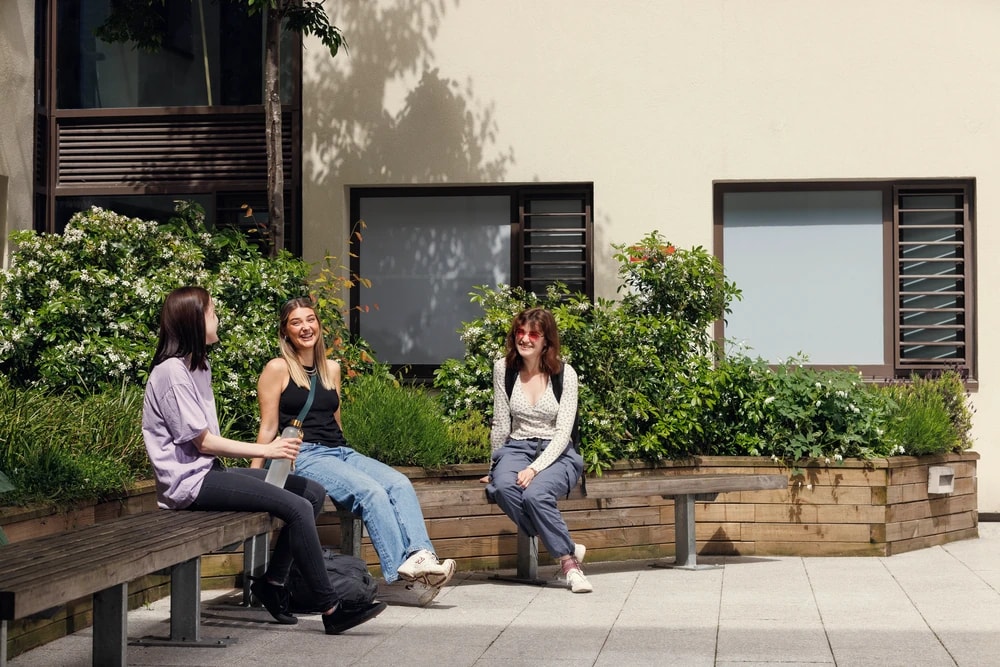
(272, 114)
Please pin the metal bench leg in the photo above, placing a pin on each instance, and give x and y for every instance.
(686, 546)
(111, 626)
(527, 562)
(351, 532)
(3, 643)
(527, 556)
(254, 563)
(185, 610)
(185, 601)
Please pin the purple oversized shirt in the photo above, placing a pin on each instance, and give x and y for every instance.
(178, 407)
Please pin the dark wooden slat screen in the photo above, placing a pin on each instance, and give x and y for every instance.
(932, 265)
(556, 245)
(161, 152)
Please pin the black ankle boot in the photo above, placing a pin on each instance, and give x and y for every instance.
(341, 619)
(274, 598)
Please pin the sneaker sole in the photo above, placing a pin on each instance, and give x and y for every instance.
(355, 620)
(407, 593)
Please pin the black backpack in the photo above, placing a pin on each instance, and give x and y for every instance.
(349, 576)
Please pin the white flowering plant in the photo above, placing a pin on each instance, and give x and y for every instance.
(79, 311)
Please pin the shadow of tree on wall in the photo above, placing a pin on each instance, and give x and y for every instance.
(440, 134)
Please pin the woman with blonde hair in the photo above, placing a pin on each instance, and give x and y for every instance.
(381, 495)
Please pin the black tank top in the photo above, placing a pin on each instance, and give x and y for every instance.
(319, 426)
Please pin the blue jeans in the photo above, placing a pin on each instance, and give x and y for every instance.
(298, 505)
(381, 495)
(535, 509)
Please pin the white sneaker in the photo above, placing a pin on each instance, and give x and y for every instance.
(423, 566)
(579, 551)
(407, 593)
(578, 581)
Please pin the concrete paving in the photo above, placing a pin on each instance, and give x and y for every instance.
(936, 606)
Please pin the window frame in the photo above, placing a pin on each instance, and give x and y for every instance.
(894, 366)
(217, 151)
(520, 196)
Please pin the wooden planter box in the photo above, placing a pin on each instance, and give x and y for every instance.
(855, 508)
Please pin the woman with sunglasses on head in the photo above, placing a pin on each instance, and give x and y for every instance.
(180, 429)
(380, 494)
(534, 461)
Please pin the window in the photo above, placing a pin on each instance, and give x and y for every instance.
(425, 248)
(199, 64)
(134, 131)
(875, 275)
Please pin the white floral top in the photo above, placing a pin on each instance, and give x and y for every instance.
(517, 419)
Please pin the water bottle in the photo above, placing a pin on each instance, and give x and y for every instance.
(277, 471)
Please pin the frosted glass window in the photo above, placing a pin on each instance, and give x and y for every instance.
(810, 265)
(424, 255)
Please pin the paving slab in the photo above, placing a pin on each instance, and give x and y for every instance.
(935, 606)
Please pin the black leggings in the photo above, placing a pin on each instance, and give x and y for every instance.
(298, 505)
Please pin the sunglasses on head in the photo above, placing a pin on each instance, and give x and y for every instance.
(532, 335)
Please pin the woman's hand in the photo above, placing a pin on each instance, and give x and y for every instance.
(525, 476)
(485, 479)
(284, 448)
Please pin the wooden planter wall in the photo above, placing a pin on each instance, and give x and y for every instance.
(873, 508)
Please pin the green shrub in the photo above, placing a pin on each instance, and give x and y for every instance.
(79, 310)
(470, 439)
(793, 412)
(60, 448)
(932, 416)
(398, 425)
(654, 386)
(659, 278)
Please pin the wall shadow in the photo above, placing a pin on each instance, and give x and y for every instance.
(440, 135)
(362, 129)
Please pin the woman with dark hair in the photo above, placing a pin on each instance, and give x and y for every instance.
(180, 429)
(380, 494)
(534, 461)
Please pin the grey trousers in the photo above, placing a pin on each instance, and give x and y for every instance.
(534, 509)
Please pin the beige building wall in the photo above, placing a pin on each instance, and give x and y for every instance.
(17, 67)
(653, 101)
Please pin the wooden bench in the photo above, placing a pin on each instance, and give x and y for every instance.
(685, 490)
(101, 559)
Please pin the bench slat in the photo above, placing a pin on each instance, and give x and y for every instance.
(96, 540)
(668, 487)
(107, 540)
(48, 571)
(473, 493)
